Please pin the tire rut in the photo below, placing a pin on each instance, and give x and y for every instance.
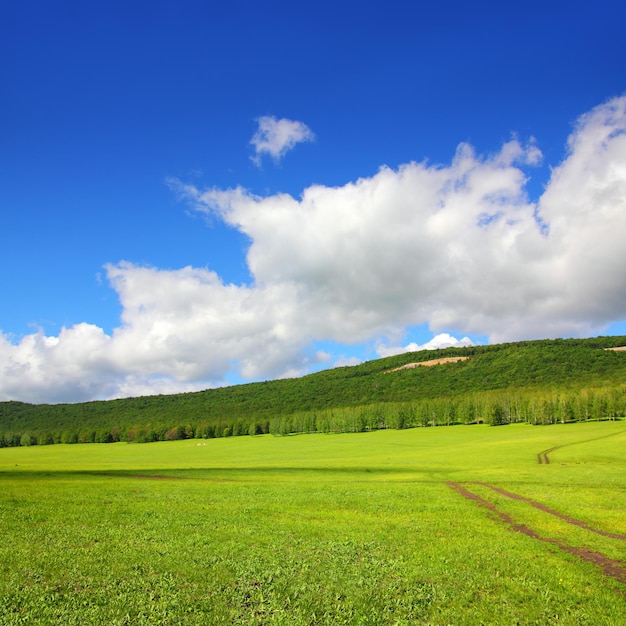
(544, 459)
(547, 509)
(611, 568)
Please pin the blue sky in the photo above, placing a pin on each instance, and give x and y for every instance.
(194, 195)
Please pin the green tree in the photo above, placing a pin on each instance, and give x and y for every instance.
(497, 414)
(28, 439)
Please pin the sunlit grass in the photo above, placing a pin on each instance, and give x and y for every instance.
(312, 529)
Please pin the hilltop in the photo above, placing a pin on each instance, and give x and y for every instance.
(538, 381)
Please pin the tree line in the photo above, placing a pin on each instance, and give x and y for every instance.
(491, 407)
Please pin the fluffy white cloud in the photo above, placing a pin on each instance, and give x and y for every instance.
(420, 244)
(276, 137)
(74, 365)
(456, 246)
(443, 340)
(188, 325)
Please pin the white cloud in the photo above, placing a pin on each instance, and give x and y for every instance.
(73, 365)
(420, 244)
(347, 361)
(456, 246)
(443, 340)
(277, 137)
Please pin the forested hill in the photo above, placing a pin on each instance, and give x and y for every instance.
(536, 381)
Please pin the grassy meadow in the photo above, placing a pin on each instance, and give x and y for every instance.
(365, 528)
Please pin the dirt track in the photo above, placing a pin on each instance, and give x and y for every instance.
(546, 509)
(610, 567)
(543, 457)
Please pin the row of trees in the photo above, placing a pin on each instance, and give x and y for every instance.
(495, 408)
(137, 433)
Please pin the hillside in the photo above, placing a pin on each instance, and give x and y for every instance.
(538, 381)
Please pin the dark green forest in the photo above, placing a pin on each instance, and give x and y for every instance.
(540, 382)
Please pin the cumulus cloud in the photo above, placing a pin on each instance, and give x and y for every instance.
(443, 340)
(419, 244)
(73, 365)
(457, 246)
(277, 137)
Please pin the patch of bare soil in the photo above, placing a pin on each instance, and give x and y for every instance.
(448, 359)
(620, 349)
(610, 567)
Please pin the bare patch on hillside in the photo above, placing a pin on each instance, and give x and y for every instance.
(448, 359)
(620, 349)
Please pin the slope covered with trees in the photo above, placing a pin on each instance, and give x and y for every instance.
(535, 381)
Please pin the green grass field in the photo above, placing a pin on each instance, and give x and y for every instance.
(451, 525)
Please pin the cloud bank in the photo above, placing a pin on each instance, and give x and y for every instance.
(457, 246)
(277, 137)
